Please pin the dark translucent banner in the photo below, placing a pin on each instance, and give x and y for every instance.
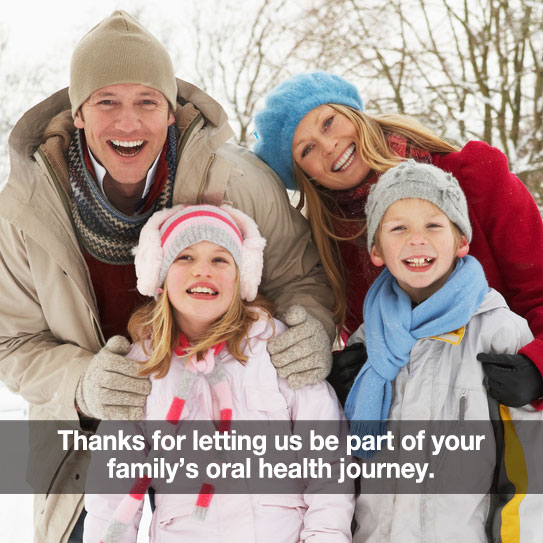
(445, 457)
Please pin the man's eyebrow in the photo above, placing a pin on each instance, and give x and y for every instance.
(106, 94)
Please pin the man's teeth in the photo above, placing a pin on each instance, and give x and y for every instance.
(135, 143)
(419, 262)
(201, 290)
(345, 161)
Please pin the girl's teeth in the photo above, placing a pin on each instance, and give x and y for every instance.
(201, 290)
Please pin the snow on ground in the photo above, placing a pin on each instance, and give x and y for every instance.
(16, 509)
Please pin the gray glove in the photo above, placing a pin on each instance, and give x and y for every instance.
(111, 388)
(302, 354)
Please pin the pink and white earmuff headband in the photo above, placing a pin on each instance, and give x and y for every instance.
(169, 231)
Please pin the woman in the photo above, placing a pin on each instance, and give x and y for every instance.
(314, 133)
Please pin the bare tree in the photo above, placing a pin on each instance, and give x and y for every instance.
(242, 53)
(467, 69)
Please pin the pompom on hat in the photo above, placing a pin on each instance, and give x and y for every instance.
(286, 105)
(120, 50)
(170, 231)
(411, 179)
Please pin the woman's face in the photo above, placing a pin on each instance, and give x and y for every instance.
(325, 146)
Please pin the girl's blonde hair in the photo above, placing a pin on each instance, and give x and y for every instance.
(375, 152)
(155, 322)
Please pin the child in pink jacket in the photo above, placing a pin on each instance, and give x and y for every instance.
(203, 341)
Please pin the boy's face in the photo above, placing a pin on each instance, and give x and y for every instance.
(419, 246)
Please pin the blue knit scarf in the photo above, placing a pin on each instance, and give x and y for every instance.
(393, 328)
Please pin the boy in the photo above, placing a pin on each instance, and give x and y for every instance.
(426, 317)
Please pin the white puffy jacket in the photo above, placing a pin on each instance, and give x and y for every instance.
(443, 380)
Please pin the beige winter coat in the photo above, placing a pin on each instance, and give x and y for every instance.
(49, 322)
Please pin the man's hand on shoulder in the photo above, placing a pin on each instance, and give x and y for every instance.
(302, 354)
(111, 387)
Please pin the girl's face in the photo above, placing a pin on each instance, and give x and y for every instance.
(200, 284)
(325, 146)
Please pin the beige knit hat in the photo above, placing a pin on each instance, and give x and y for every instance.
(120, 50)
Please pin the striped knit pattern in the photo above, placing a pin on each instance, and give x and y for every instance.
(130, 504)
(105, 232)
(195, 224)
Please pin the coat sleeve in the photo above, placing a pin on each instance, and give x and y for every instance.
(507, 230)
(34, 362)
(293, 273)
(329, 515)
(102, 507)
(518, 513)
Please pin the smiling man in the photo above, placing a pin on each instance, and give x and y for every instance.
(89, 166)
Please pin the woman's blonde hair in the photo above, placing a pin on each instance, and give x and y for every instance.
(155, 322)
(376, 153)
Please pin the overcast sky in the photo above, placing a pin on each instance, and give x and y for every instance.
(39, 31)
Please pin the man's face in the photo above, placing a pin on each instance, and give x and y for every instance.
(125, 127)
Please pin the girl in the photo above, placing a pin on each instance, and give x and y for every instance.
(203, 342)
(314, 133)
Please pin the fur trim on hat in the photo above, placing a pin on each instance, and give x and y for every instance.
(252, 253)
(149, 253)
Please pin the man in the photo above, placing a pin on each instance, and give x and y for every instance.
(88, 167)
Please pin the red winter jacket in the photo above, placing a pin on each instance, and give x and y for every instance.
(507, 238)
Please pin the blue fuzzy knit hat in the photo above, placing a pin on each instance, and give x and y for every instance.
(286, 105)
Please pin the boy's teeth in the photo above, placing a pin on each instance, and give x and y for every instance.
(346, 160)
(418, 262)
(201, 290)
(119, 143)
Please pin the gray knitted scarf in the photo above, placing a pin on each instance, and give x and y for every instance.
(105, 232)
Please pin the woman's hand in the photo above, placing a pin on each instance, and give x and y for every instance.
(512, 379)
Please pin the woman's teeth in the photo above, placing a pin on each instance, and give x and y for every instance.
(418, 262)
(345, 160)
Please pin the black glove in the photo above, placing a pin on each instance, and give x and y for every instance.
(345, 367)
(512, 379)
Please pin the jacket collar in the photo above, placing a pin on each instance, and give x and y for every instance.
(50, 123)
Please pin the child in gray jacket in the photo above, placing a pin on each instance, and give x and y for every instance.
(426, 317)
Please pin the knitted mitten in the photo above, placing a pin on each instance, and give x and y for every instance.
(302, 354)
(111, 388)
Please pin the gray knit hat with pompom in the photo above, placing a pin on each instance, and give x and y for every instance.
(411, 179)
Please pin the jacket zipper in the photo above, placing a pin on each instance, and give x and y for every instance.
(462, 407)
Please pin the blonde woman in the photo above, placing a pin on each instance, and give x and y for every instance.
(314, 133)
